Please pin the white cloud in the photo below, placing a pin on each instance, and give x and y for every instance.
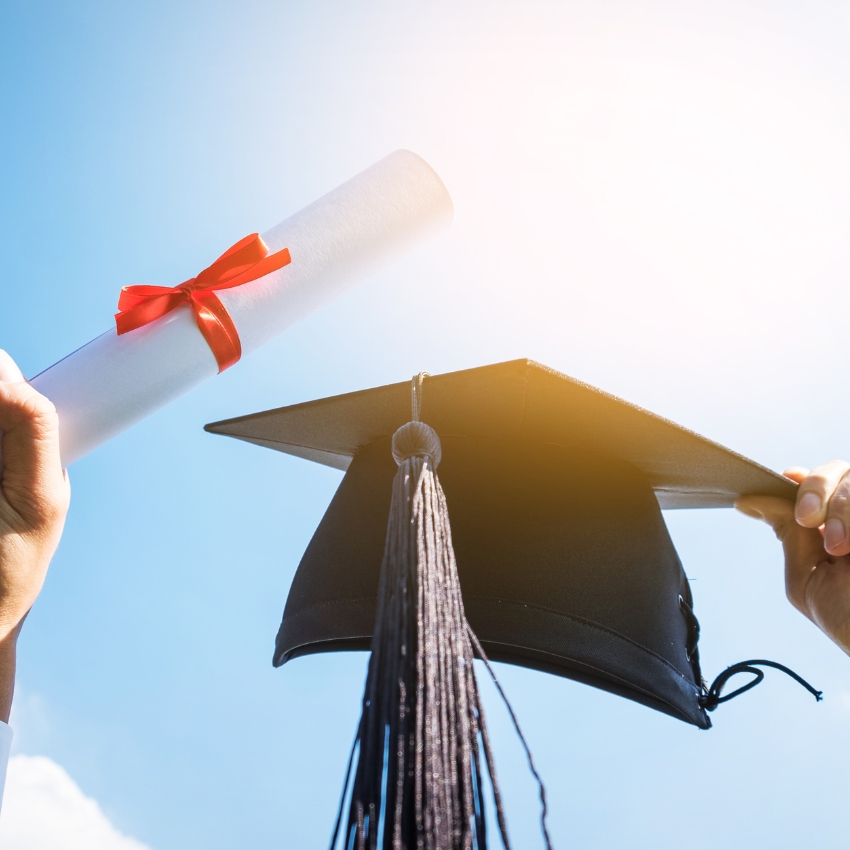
(44, 809)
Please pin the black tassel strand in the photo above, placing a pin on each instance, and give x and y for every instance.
(417, 781)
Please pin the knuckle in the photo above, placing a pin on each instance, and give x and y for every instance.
(40, 407)
(815, 482)
(830, 472)
(56, 502)
(31, 406)
(54, 514)
(780, 527)
(817, 478)
(47, 511)
(839, 503)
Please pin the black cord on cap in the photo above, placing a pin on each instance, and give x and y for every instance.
(712, 697)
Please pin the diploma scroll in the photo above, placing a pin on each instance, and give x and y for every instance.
(114, 381)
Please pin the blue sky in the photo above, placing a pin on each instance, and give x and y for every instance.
(650, 196)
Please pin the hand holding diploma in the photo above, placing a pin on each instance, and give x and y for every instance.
(815, 534)
(34, 497)
(170, 338)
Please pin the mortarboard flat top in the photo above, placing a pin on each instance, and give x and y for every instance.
(519, 401)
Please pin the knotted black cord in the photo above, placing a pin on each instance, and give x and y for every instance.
(542, 788)
(712, 697)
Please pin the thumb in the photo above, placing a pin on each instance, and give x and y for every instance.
(803, 547)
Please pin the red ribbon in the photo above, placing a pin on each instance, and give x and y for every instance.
(247, 260)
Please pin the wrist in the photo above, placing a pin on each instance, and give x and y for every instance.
(8, 662)
(9, 642)
(10, 628)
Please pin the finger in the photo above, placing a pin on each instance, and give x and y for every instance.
(796, 473)
(836, 531)
(803, 547)
(33, 483)
(815, 491)
(777, 513)
(9, 371)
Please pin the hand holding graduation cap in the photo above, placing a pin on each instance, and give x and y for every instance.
(814, 535)
(34, 497)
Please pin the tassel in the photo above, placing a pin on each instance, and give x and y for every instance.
(422, 739)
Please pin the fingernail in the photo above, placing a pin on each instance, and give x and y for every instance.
(809, 505)
(834, 533)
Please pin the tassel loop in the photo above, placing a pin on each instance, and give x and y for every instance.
(416, 384)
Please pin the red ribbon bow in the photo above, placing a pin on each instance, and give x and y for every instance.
(247, 260)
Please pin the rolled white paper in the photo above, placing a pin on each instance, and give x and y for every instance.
(114, 381)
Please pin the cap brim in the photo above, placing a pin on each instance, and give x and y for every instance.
(519, 401)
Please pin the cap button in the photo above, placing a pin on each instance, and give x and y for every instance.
(416, 439)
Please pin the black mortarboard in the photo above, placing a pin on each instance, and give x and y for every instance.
(555, 491)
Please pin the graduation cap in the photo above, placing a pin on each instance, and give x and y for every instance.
(556, 540)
